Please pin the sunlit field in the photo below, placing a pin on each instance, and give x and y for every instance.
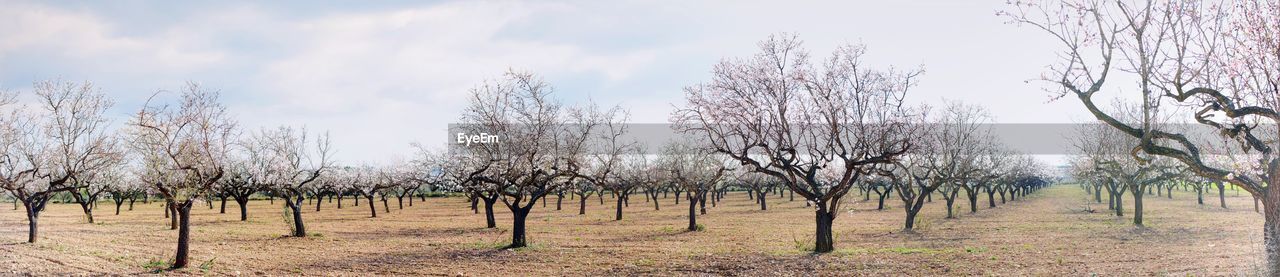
(1049, 232)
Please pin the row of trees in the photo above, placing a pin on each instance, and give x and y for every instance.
(1207, 63)
(770, 121)
(1212, 64)
(183, 147)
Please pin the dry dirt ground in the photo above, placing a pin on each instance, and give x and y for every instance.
(1049, 233)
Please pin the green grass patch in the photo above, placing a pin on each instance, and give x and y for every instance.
(155, 266)
(206, 266)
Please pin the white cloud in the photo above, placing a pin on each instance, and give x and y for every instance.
(380, 78)
(80, 35)
(391, 77)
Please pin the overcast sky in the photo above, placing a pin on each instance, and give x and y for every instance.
(383, 75)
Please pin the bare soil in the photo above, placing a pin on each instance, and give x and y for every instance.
(1049, 233)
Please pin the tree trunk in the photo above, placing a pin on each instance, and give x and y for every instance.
(87, 207)
(1200, 194)
(184, 233)
(618, 214)
(824, 242)
(559, 199)
(518, 237)
(174, 221)
(950, 204)
(373, 210)
(654, 195)
(1097, 193)
(1119, 205)
(1271, 229)
(475, 204)
(33, 208)
(488, 213)
(991, 198)
(693, 217)
(913, 208)
(1137, 208)
(763, 206)
(582, 204)
(882, 197)
(244, 208)
(1222, 195)
(222, 209)
(295, 206)
(702, 202)
(973, 201)
(1111, 200)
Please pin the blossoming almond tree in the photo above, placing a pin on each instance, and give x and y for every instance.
(43, 150)
(291, 162)
(777, 114)
(1218, 58)
(185, 144)
(539, 138)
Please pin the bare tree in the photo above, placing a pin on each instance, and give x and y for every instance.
(599, 167)
(1216, 58)
(777, 114)
(129, 188)
(946, 154)
(463, 172)
(427, 171)
(991, 168)
(757, 184)
(634, 171)
(42, 151)
(90, 185)
(695, 168)
(370, 182)
(538, 141)
(290, 165)
(186, 145)
(1107, 151)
